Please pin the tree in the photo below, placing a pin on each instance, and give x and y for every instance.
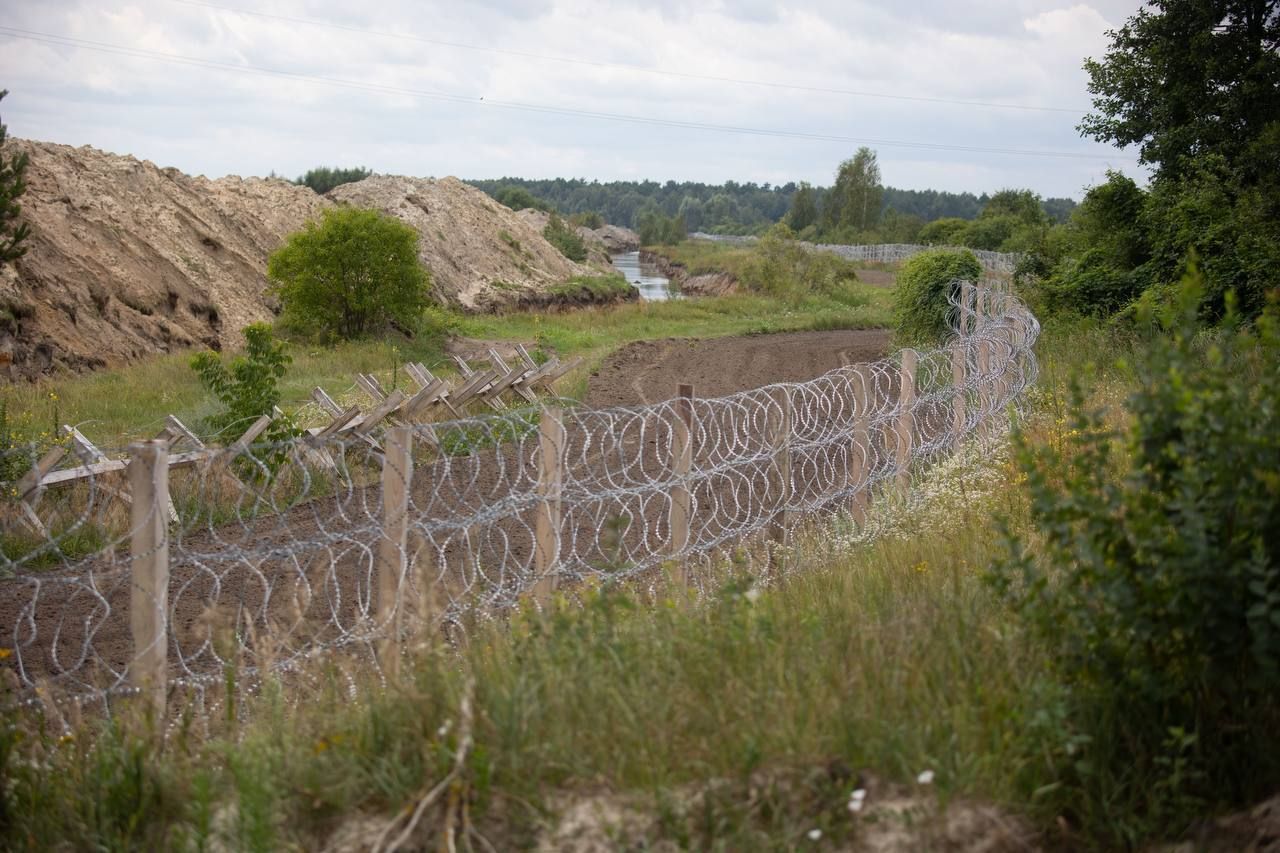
(519, 198)
(804, 208)
(854, 201)
(322, 178)
(350, 272)
(1196, 83)
(12, 185)
(1190, 77)
(926, 285)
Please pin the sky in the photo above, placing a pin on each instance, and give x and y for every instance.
(951, 96)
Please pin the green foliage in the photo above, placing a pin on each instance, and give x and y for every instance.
(350, 273)
(323, 178)
(594, 288)
(1155, 584)
(780, 266)
(519, 198)
(1197, 85)
(804, 208)
(943, 232)
(12, 185)
(249, 387)
(1183, 78)
(855, 200)
(587, 219)
(926, 283)
(565, 238)
(656, 229)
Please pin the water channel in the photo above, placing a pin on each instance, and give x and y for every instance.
(651, 283)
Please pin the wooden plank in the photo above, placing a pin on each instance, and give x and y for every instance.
(559, 371)
(177, 427)
(149, 569)
(860, 450)
(516, 378)
(546, 554)
(393, 564)
(39, 474)
(370, 386)
(324, 401)
(525, 357)
(106, 467)
(463, 368)
(383, 411)
(339, 423)
(428, 396)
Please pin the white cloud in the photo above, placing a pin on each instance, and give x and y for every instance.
(205, 120)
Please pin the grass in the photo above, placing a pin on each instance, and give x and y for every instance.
(740, 721)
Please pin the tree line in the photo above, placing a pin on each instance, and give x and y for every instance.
(731, 207)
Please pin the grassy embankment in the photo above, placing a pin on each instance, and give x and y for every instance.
(739, 722)
(115, 406)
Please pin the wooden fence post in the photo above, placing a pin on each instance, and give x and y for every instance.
(681, 464)
(984, 385)
(780, 440)
(906, 416)
(393, 563)
(546, 551)
(959, 359)
(149, 571)
(860, 452)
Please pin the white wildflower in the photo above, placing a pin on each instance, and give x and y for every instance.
(815, 834)
(752, 595)
(925, 778)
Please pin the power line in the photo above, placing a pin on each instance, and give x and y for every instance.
(179, 59)
(624, 66)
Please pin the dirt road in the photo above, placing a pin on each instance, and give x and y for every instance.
(650, 371)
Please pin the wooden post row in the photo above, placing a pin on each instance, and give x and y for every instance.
(546, 550)
(393, 564)
(149, 571)
(906, 416)
(681, 512)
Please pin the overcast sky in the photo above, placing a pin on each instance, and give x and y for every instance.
(484, 89)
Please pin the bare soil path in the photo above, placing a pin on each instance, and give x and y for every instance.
(650, 371)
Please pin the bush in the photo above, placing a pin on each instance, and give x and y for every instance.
(656, 229)
(249, 388)
(565, 238)
(350, 273)
(1155, 586)
(926, 283)
(780, 266)
(587, 219)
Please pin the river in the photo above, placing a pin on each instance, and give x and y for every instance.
(652, 284)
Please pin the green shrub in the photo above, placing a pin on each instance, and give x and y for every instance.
(349, 273)
(249, 387)
(587, 219)
(943, 232)
(781, 266)
(565, 238)
(518, 198)
(658, 230)
(925, 284)
(1155, 582)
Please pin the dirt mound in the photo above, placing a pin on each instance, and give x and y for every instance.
(482, 256)
(127, 259)
(649, 371)
(597, 252)
(617, 239)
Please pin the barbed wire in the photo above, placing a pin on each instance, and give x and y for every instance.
(277, 552)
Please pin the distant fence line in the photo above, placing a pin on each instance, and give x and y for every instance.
(261, 556)
(884, 253)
